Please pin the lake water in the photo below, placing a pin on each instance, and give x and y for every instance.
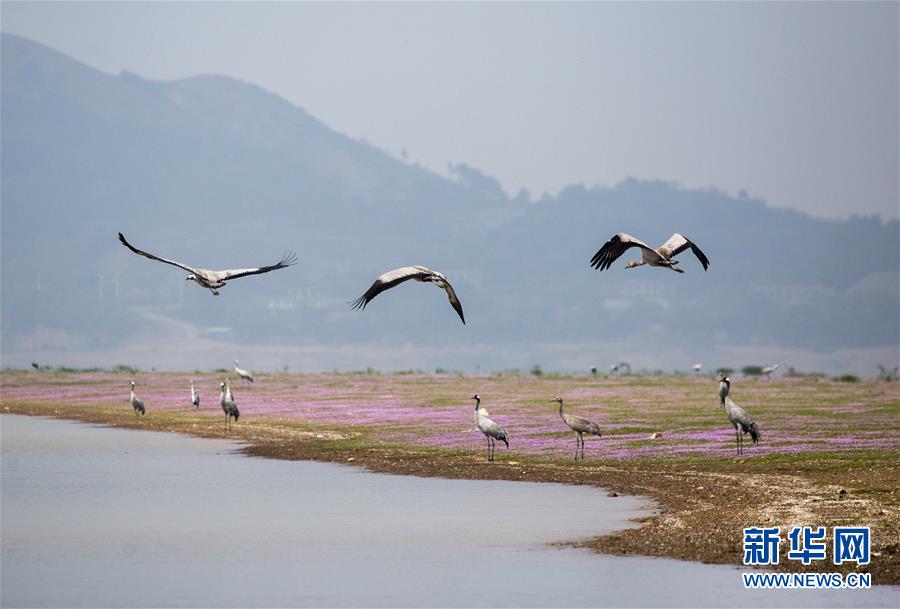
(98, 517)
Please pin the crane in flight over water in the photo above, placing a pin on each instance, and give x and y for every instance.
(738, 416)
(491, 430)
(213, 280)
(663, 256)
(397, 276)
(579, 425)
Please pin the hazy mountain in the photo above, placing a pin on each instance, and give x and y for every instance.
(220, 173)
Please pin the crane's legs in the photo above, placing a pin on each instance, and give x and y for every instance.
(579, 445)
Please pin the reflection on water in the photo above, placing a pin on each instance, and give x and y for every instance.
(106, 517)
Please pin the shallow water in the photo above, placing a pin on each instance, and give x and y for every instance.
(116, 518)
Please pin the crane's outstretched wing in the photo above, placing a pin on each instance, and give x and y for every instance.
(389, 280)
(180, 265)
(677, 243)
(286, 261)
(614, 248)
(454, 301)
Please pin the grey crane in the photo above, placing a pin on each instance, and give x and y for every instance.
(887, 375)
(579, 425)
(226, 399)
(136, 403)
(768, 370)
(245, 376)
(195, 397)
(213, 280)
(620, 367)
(663, 256)
(491, 430)
(738, 416)
(420, 273)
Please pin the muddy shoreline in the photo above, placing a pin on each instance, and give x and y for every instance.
(702, 507)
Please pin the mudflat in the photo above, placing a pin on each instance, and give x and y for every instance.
(829, 454)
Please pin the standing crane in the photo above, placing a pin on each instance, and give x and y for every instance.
(491, 430)
(768, 370)
(738, 416)
(195, 397)
(620, 367)
(887, 375)
(245, 376)
(229, 397)
(136, 403)
(579, 425)
(228, 406)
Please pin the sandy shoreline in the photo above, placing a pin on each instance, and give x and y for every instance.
(704, 502)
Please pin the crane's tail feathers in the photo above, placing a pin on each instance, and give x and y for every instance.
(754, 433)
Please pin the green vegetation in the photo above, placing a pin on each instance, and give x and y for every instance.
(847, 378)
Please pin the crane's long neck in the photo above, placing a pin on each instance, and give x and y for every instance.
(561, 411)
(132, 394)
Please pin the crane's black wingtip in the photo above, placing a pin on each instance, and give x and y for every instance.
(359, 304)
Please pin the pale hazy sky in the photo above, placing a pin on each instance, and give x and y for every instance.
(796, 103)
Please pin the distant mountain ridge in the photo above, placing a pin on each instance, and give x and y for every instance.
(220, 173)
